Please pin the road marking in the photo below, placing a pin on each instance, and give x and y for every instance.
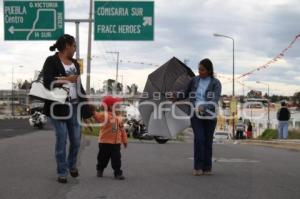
(8, 130)
(231, 160)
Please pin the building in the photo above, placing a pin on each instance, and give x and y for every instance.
(16, 99)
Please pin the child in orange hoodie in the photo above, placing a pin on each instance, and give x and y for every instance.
(111, 136)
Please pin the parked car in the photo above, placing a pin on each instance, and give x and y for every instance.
(220, 136)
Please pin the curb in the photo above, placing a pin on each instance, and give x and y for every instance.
(281, 144)
(13, 117)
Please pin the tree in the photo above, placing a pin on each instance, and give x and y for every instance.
(134, 89)
(242, 99)
(274, 98)
(110, 85)
(296, 98)
(128, 90)
(20, 84)
(254, 94)
(26, 85)
(93, 91)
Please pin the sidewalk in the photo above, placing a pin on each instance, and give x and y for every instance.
(283, 144)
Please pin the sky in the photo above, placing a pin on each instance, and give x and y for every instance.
(261, 30)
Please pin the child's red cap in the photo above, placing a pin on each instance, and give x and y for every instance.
(110, 100)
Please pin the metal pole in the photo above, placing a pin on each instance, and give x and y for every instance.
(12, 92)
(117, 69)
(77, 40)
(77, 21)
(268, 107)
(88, 70)
(117, 73)
(233, 93)
(233, 129)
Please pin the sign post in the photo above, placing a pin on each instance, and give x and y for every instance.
(123, 20)
(33, 19)
(234, 114)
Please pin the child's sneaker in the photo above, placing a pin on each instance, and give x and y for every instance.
(100, 173)
(119, 177)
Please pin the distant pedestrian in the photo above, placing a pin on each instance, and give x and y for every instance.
(240, 128)
(283, 117)
(111, 136)
(249, 130)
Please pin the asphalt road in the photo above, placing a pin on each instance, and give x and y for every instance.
(27, 170)
(12, 128)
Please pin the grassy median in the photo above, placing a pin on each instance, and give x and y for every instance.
(269, 134)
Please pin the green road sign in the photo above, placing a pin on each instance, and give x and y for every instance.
(33, 20)
(123, 20)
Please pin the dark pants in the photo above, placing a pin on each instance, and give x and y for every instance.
(203, 140)
(239, 135)
(109, 151)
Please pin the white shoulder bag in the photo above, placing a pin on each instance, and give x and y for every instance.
(38, 91)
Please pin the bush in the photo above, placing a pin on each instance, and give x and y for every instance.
(94, 131)
(272, 134)
(89, 130)
(268, 134)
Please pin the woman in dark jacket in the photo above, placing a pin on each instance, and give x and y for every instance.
(60, 69)
(204, 92)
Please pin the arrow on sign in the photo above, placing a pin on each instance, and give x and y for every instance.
(147, 21)
(12, 30)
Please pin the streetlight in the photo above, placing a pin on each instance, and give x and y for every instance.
(220, 35)
(259, 82)
(12, 90)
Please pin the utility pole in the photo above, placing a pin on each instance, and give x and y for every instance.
(12, 90)
(77, 23)
(89, 56)
(77, 40)
(117, 69)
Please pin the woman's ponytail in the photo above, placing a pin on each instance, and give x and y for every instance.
(61, 42)
(52, 48)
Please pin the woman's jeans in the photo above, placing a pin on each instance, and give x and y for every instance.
(283, 129)
(203, 141)
(64, 128)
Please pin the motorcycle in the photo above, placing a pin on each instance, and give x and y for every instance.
(37, 119)
(138, 130)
